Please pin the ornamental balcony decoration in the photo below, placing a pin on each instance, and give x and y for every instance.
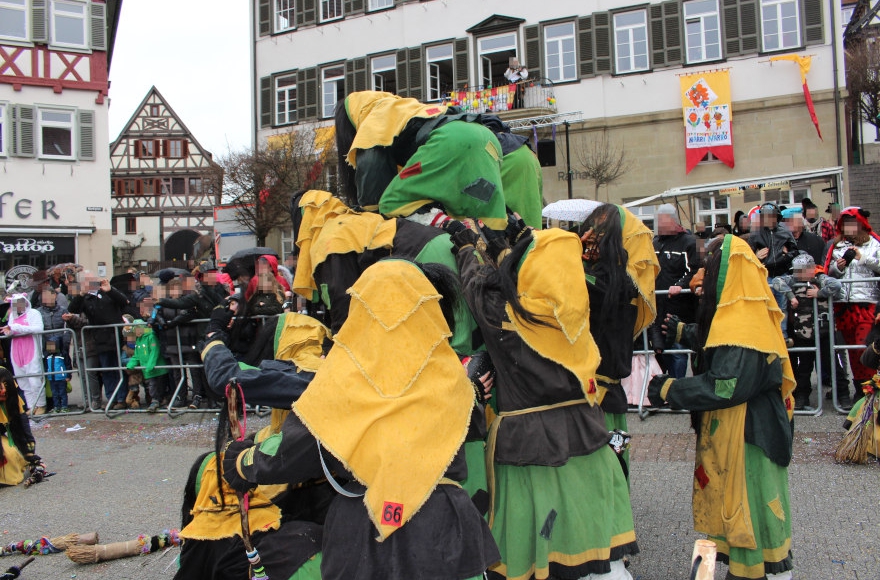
(531, 94)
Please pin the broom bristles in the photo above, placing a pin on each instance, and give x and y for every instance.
(854, 446)
(103, 552)
(66, 541)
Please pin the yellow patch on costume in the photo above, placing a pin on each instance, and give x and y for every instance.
(776, 507)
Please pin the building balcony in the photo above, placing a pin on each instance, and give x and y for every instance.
(529, 98)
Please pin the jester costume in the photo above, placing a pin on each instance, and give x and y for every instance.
(636, 310)
(447, 158)
(741, 392)
(548, 448)
(17, 442)
(394, 431)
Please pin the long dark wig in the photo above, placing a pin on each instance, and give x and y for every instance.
(606, 224)
(345, 132)
(504, 279)
(13, 412)
(189, 491)
(709, 299)
(447, 285)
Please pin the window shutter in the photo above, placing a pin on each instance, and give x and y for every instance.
(162, 148)
(740, 27)
(139, 186)
(602, 42)
(86, 132)
(356, 75)
(666, 36)
(137, 148)
(23, 130)
(416, 74)
(306, 13)
(813, 29)
(402, 74)
(264, 12)
(586, 61)
(98, 26)
(461, 63)
(184, 147)
(39, 19)
(307, 94)
(533, 50)
(265, 114)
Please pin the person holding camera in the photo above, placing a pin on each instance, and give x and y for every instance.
(854, 255)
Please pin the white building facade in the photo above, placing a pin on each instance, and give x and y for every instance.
(55, 185)
(607, 67)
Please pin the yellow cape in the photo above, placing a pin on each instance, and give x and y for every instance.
(380, 117)
(352, 232)
(392, 401)
(642, 267)
(317, 207)
(300, 339)
(551, 285)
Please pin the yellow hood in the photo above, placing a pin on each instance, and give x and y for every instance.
(642, 267)
(396, 422)
(317, 207)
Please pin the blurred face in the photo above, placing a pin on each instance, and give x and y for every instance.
(233, 306)
(768, 219)
(50, 347)
(811, 213)
(139, 330)
(666, 224)
(803, 274)
(48, 298)
(850, 227)
(144, 280)
(19, 306)
(745, 223)
(209, 278)
(795, 225)
(189, 285)
(263, 266)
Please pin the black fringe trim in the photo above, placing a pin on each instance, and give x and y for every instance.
(769, 567)
(593, 567)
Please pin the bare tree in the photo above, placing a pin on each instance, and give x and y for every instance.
(863, 80)
(261, 182)
(124, 251)
(602, 161)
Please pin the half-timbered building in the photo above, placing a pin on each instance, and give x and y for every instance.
(54, 168)
(164, 187)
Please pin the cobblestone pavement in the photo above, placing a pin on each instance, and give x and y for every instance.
(125, 476)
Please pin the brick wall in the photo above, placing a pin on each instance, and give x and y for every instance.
(864, 190)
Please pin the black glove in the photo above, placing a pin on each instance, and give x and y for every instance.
(214, 335)
(461, 235)
(515, 229)
(656, 339)
(230, 471)
(654, 388)
(33, 459)
(220, 318)
(671, 323)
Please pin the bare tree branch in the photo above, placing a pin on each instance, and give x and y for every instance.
(602, 160)
(863, 79)
(261, 182)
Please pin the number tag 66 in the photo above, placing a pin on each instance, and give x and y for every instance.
(392, 514)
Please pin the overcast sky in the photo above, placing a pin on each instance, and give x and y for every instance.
(196, 52)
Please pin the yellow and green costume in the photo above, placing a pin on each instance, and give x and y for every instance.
(13, 465)
(441, 158)
(743, 393)
(560, 504)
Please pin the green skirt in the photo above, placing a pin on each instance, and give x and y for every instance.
(460, 167)
(475, 456)
(311, 570)
(567, 521)
(767, 487)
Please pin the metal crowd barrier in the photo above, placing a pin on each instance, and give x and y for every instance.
(644, 412)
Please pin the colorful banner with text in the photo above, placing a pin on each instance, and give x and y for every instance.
(708, 118)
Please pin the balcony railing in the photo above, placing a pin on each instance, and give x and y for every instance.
(527, 94)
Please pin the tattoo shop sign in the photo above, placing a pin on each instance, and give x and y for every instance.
(29, 246)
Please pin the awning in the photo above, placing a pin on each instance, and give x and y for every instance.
(692, 190)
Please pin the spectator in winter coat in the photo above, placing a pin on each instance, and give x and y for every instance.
(806, 242)
(103, 305)
(676, 251)
(775, 247)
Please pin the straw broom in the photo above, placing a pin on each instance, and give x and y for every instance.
(860, 440)
(142, 545)
(49, 545)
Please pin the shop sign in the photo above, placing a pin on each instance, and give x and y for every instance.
(24, 245)
(22, 274)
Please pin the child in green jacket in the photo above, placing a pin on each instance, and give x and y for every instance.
(148, 356)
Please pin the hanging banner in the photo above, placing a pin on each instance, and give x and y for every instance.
(707, 117)
(803, 63)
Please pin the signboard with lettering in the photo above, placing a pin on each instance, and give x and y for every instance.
(41, 245)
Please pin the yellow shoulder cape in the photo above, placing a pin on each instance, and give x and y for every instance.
(551, 285)
(317, 207)
(380, 117)
(641, 266)
(392, 401)
(352, 232)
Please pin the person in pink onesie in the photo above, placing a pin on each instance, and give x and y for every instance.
(23, 323)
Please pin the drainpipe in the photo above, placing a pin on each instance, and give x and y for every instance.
(568, 159)
(833, 9)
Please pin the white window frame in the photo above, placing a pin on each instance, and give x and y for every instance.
(434, 91)
(373, 5)
(777, 28)
(333, 9)
(555, 46)
(25, 15)
(327, 107)
(714, 211)
(378, 81)
(85, 23)
(630, 41)
(703, 19)
(482, 50)
(71, 125)
(284, 10)
(287, 116)
(4, 140)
